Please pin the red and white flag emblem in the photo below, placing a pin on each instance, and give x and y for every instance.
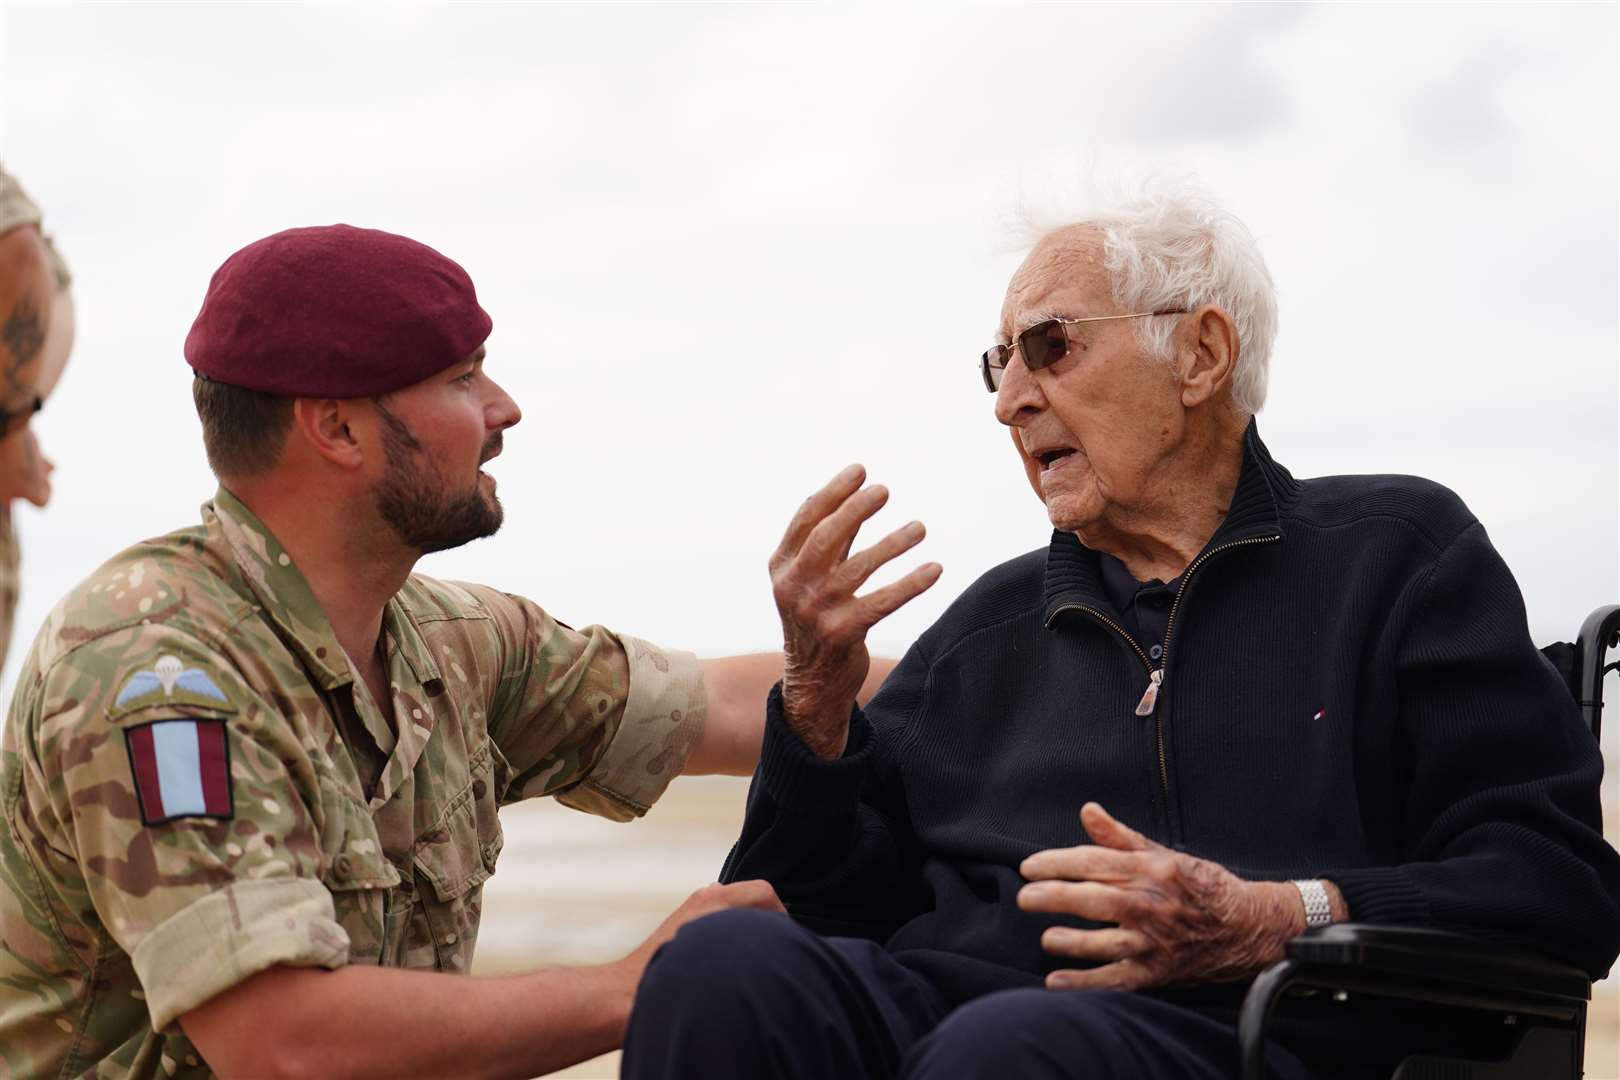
(182, 769)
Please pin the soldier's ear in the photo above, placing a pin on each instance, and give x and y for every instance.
(324, 424)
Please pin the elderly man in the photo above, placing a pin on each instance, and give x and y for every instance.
(253, 767)
(1273, 702)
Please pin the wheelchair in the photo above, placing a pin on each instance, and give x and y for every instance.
(1544, 1000)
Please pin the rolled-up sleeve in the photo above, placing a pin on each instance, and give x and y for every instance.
(208, 947)
(602, 721)
(664, 712)
(16, 208)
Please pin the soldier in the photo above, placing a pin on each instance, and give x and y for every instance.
(253, 766)
(36, 334)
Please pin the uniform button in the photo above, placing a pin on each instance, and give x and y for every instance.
(1156, 652)
(449, 939)
(344, 866)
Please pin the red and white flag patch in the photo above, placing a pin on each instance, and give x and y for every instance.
(182, 768)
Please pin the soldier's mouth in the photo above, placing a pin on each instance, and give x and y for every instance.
(492, 448)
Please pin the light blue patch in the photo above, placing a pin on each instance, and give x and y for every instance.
(140, 684)
(179, 766)
(196, 681)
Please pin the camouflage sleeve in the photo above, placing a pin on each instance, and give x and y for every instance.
(191, 810)
(10, 563)
(602, 721)
(16, 208)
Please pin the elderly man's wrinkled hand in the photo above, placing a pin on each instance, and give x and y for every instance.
(824, 624)
(1177, 919)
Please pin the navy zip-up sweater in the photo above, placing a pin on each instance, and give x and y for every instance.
(1349, 692)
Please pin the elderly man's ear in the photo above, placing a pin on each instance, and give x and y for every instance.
(1206, 353)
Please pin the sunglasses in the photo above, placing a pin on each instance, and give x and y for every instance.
(1043, 345)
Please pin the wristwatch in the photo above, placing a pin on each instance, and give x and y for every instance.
(1318, 909)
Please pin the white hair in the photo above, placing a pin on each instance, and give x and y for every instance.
(1167, 244)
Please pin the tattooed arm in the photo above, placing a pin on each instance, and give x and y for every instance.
(59, 335)
(27, 288)
(36, 332)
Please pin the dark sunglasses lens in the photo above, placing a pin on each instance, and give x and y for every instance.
(1044, 344)
(991, 364)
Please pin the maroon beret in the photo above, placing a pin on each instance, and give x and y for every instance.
(335, 312)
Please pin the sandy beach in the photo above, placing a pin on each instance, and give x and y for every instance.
(573, 889)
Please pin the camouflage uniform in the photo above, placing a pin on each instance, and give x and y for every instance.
(345, 840)
(10, 565)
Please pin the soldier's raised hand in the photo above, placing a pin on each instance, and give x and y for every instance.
(824, 624)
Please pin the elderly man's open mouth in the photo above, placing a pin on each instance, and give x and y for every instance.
(1053, 457)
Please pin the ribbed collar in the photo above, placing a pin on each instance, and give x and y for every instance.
(1264, 490)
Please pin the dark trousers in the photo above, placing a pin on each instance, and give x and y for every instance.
(752, 995)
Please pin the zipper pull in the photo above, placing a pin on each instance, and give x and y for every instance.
(1150, 696)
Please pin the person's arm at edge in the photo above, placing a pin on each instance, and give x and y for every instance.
(59, 337)
(736, 688)
(25, 285)
(363, 1021)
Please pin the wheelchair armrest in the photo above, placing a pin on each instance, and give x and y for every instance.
(1415, 965)
(1405, 954)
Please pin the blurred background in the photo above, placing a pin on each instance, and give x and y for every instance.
(729, 249)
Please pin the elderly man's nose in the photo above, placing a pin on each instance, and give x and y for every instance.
(1020, 395)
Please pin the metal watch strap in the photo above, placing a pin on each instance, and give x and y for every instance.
(1318, 909)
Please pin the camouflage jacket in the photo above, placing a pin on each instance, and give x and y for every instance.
(196, 787)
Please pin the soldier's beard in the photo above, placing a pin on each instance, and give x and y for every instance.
(418, 507)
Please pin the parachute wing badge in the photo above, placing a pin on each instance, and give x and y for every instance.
(140, 684)
(196, 681)
(170, 682)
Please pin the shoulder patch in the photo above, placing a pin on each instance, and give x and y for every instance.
(182, 768)
(169, 682)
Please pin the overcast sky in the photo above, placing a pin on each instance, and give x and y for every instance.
(729, 249)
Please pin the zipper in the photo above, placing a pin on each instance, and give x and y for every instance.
(1186, 577)
(1149, 705)
(1150, 698)
(1106, 621)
